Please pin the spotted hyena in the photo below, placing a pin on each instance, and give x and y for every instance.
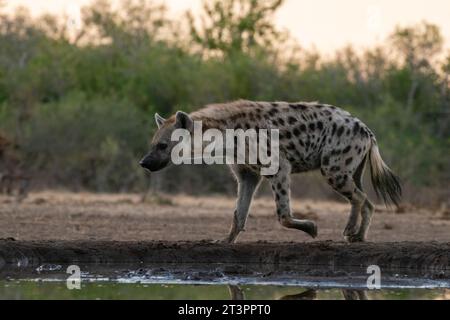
(312, 136)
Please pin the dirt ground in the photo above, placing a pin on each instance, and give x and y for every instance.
(84, 216)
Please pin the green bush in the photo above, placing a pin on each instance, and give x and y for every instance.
(81, 107)
(87, 143)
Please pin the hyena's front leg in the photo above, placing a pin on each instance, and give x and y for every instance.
(248, 182)
(281, 189)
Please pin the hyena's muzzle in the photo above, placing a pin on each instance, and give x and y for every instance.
(154, 162)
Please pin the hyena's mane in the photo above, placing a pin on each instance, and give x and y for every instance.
(220, 111)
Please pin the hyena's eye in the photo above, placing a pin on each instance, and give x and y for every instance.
(162, 146)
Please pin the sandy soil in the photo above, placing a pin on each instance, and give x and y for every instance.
(83, 216)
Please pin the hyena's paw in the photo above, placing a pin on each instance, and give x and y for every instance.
(355, 238)
(350, 230)
(311, 229)
(227, 240)
(220, 241)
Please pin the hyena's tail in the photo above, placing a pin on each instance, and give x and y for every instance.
(386, 184)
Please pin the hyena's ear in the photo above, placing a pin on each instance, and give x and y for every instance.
(159, 120)
(184, 121)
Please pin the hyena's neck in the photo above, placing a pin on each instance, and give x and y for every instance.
(208, 122)
(233, 115)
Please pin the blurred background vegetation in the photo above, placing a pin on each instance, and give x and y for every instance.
(79, 105)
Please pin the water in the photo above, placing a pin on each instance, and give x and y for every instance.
(197, 282)
(25, 289)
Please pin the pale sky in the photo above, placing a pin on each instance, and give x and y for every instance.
(324, 24)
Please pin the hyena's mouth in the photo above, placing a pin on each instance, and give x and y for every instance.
(152, 165)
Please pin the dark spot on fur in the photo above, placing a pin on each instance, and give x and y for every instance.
(273, 112)
(296, 132)
(281, 121)
(283, 192)
(334, 129)
(302, 127)
(340, 131)
(335, 152)
(340, 186)
(348, 161)
(288, 135)
(320, 125)
(362, 131)
(348, 195)
(298, 106)
(335, 169)
(355, 128)
(312, 126)
(292, 120)
(347, 150)
(291, 146)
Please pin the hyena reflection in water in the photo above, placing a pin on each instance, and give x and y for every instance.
(312, 136)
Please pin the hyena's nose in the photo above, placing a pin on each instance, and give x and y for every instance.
(144, 163)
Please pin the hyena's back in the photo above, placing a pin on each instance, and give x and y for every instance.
(312, 135)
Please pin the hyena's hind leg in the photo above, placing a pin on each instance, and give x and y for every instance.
(248, 182)
(367, 209)
(281, 189)
(340, 177)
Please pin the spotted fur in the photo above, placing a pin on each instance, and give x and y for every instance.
(313, 136)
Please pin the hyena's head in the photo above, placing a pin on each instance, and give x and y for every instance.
(161, 146)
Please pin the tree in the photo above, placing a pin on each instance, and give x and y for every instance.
(130, 20)
(417, 46)
(229, 26)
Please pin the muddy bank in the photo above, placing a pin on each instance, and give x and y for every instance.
(320, 258)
